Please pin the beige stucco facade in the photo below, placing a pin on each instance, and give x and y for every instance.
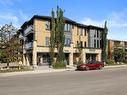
(40, 51)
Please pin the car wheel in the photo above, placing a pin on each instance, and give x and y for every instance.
(87, 68)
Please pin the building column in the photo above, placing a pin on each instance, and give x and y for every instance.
(34, 57)
(41, 59)
(99, 56)
(27, 60)
(84, 57)
(71, 59)
(24, 60)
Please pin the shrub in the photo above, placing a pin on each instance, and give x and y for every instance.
(125, 61)
(110, 62)
(58, 65)
(79, 62)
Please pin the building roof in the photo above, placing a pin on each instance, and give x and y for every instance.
(117, 40)
(65, 18)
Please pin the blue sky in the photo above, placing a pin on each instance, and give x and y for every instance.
(93, 12)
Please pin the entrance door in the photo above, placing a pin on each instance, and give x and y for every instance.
(90, 57)
(67, 58)
(43, 59)
(46, 59)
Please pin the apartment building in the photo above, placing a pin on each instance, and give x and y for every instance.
(116, 44)
(36, 37)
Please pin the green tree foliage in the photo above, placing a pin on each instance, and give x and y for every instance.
(60, 38)
(57, 36)
(119, 55)
(104, 42)
(10, 44)
(79, 48)
(52, 38)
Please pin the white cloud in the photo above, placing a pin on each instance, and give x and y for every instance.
(16, 17)
(23, 15)
(9, 17)
(117, 24)
(8, 2)
(90, 21)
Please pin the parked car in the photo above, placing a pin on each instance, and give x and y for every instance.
(91, 65)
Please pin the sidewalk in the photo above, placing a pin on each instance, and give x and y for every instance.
(50, 71)
(115, 66)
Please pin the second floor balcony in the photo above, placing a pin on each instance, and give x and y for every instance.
(29, 45)
(28, 30)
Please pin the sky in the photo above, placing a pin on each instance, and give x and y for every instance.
(89, 12)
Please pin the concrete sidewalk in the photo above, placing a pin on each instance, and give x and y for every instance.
(115, 66)
(51, 71)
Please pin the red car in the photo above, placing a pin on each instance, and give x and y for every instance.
(91, 65)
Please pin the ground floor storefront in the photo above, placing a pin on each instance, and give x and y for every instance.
(43, 58)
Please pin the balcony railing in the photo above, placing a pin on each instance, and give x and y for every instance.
(29, 30)
(29, 45)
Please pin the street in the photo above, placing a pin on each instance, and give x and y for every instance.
(96, 82)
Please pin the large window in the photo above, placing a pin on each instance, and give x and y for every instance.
(67, 27)
(47, 25)
(97, 34)
(67, 41)
(47, 41)
(85, 32)
(77, 31)
(81, 31)
(81, 44)
(98, 44)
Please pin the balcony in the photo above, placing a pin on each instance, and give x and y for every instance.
(125, 46)
(28, 30)
(29, 45)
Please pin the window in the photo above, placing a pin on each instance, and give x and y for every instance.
(47, 41)
(85, 44)
(67, 27)
(81, 44)
(97, 34)
(77, 43)
(98, 42)
(94, 43)
(72, 26)
(67, 41)
(47, 25)
(85, 32)
(78, 31)
(81, 32)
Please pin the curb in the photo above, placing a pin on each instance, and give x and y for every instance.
(115, 66)
(33, 72)
(49, 71)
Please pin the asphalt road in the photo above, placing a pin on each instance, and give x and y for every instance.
(96, 82)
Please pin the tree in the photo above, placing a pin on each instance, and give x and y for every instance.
(79, 47)
(57, 36)
(2, 43)
(52, 38)
(104, 42)
(119, 55)
(11, 45)
(60, 37)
